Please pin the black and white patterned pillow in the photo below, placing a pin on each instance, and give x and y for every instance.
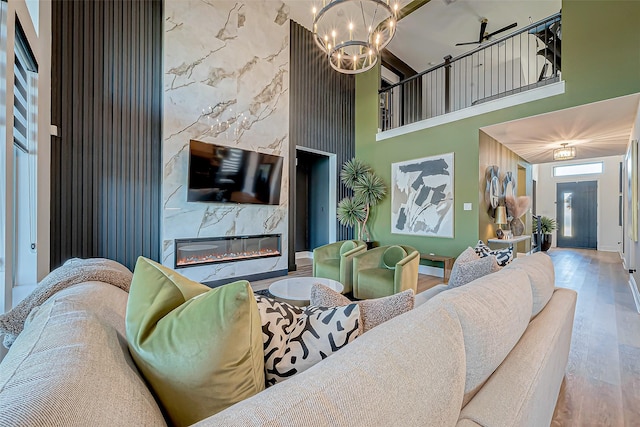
(297, 338)
(482, 250)
(503, 256)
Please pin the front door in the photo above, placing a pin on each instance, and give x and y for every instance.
(577, 214)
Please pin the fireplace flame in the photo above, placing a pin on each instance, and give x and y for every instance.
(210, 257)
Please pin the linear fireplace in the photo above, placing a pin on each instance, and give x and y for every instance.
(208, 250)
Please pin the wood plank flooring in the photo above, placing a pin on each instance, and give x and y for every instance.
(602, 383)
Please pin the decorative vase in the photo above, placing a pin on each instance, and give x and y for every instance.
(547, 238)
(517, 226)
(500, 233)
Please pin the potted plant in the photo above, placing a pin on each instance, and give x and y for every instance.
(547, 225)
(368, 190)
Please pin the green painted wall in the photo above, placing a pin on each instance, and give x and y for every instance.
(601, 60)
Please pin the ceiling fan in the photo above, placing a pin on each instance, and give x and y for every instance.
(485, 35)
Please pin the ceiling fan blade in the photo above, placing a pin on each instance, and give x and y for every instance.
(508, 27)
(464, 44)
(483, 28)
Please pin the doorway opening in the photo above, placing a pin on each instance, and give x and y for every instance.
(577, 214)
(315, 213)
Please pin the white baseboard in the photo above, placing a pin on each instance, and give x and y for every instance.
(609, 248)
(304, 254)
(431, 270)
(634, 290)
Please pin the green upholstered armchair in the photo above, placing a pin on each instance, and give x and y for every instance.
(385, 271)
(335, 261)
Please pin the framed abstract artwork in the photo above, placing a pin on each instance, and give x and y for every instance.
(422, 196)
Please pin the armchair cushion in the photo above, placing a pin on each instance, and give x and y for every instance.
(378, 281)
(393, 255)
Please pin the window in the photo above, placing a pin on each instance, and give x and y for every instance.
(24, 92)
(581, 169)
(25, 136)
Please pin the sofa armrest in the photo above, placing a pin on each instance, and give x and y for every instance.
(355, 251)
(406, 273)
(346, 267)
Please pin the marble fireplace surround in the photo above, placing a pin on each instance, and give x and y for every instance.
(226, 82)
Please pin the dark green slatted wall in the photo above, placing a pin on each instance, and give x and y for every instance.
(322, 113)
(107, 103)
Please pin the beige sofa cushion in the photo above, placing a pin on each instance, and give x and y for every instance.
(523, 391)
(494, 311)
(539, 268)
(408, 371)
(70, 366)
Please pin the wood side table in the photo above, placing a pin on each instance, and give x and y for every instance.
(447, 262)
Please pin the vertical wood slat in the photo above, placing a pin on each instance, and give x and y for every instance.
(321, 115)
(106, 171)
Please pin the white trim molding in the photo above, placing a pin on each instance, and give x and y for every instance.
(431, 270)
(634, 290)
(542, 92)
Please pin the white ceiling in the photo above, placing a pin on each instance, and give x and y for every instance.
(599, 129)
(426, 36)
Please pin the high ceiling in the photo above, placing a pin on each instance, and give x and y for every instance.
(427, 35)
(430, 33)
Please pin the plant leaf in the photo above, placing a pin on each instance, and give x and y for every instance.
(352, 170)
(369, 189)
(350, 212)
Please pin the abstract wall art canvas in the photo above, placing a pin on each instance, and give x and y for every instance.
(422, 196)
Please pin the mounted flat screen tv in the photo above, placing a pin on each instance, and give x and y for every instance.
(232, 175)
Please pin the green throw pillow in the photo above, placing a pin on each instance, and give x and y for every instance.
(200, 349)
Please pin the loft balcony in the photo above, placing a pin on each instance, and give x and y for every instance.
(519, 62)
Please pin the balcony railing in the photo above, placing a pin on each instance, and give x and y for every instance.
(524, 60)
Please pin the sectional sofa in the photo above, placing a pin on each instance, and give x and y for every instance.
(490, 353)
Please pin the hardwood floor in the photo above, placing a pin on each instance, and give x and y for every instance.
(602, 383)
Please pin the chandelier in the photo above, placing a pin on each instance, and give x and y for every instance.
(564, 153)
(353, 32)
